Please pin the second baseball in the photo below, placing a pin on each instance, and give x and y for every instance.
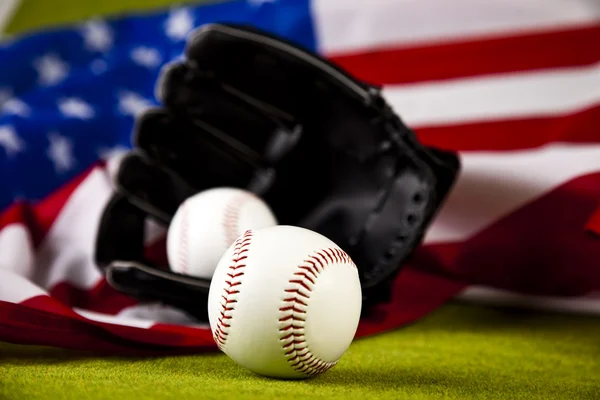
(206, 224)
(285, 302)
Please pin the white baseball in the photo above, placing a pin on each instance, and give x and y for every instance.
(206, 224)
(285, 302)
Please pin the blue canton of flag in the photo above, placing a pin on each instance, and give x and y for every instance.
(69, 97)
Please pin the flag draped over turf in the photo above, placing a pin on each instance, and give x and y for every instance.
(514, 87)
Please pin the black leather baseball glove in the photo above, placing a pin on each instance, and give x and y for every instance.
(250, 110)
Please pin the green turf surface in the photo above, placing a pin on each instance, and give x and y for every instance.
(458, 352)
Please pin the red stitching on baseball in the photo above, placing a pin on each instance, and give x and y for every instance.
(231, 216)
(235, 272)
(292, 332)
(183, 237)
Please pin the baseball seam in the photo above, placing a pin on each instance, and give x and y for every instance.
(293, 311)
(183, 237)
(230, 293)
(231, 217)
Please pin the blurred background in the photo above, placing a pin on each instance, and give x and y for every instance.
(512, 86)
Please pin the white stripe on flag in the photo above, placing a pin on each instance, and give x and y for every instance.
(493, 184)
(19, 258)
(350, 25)
(74, 233)
(160, 313)
(115, 320)
(144, 316)
(16, 289)
(506, 96)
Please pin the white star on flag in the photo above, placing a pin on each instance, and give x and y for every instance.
(146, 57)
(179, 24)
(75, 108)
(10, 141)
(60, 152)
(51, 69)
(16, 107)
(132, 104)
(97, 36)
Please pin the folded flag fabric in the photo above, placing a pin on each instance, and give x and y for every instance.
(514, 88)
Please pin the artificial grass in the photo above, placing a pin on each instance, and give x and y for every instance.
(458, 352)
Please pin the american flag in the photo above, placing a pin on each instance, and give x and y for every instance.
(513, 86)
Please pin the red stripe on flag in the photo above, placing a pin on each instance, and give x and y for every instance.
(20, 213)
(42, 320)
(566, 48)
(540, 249)
(580, 127)
(102, 298)
(15, 214)
(415, 294)
(189, 336)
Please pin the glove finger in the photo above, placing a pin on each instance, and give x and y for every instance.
(150, 187)
(150, 283)
(185, 89)
(332, 107)
(119, 253)
(276, 72)
(253, 133)
(120, 233)
(188, 146)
